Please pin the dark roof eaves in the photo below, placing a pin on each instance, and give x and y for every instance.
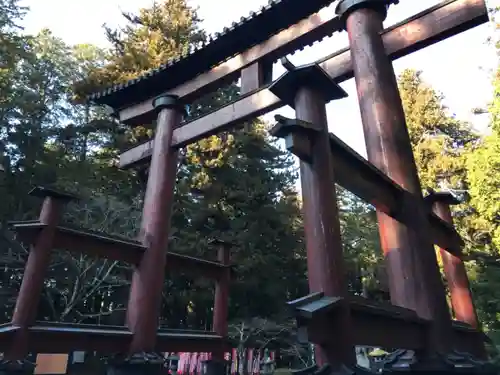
(188, 66)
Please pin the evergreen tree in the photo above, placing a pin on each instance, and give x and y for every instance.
(483, 166)
(439, 140)
(450, 156)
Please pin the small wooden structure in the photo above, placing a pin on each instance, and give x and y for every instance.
(25, 335)
(418, 319)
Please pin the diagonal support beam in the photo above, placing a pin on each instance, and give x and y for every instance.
(359, 176)
(424, 29)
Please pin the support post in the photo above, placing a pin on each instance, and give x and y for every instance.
(147, 281)
(255, 76)
(308, 89)
(36, 267)
(454, 268)
(455, 273)
(325, 263)
(221, 303)
(414, 276)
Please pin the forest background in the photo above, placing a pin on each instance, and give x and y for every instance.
(238, 186)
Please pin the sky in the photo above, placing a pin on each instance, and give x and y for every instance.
(460, 67)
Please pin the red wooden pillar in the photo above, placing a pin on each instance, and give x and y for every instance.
(414, 276)
(454, 268)
(147, 281)
(221, 301)
(308, 89)
(36, 266)
(325, 262)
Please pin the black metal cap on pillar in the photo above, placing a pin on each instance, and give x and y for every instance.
(44, 192)
(346, 7)
(168, 101)
(221, 242)
(312, 76)
(441, 197)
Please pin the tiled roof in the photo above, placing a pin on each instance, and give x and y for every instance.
(251, 30)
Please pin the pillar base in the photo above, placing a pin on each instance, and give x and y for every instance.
(465, 362)
(137, 364)
(16, 367)
(328, 370)
(214, 367)
(452, 363)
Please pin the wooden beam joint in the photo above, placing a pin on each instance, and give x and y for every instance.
(357, 175)
(415, 33)
(298, 135)
(374, 324)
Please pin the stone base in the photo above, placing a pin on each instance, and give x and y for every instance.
(16, 367)
(452, 363)
(214, 367)
(399, 360)
(137, 364)
(328, 370)
(465, 362)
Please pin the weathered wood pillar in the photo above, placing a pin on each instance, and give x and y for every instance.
(221, 301)
(307, 89)
(454, 268)
(414, 276)
(147, 281)
(38, 261)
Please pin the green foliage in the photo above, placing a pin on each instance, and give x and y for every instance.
(152, 37)
(451, 156)
(12, 45)
(439, 140)
(484, 171)
(238, 186)
(362, 251)
(483, 167)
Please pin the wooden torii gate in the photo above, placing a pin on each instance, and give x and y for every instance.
(418, 319)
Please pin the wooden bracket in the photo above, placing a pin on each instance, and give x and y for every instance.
(298, 136)
(314, 305)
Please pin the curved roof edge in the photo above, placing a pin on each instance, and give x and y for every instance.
(250, 31)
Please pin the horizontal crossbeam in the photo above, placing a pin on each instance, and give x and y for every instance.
(359, 176)
(306, 32)
(362, 178)
(384, 325)
(373, 323)
(116, 248)
(427, 28)
(106, 339)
